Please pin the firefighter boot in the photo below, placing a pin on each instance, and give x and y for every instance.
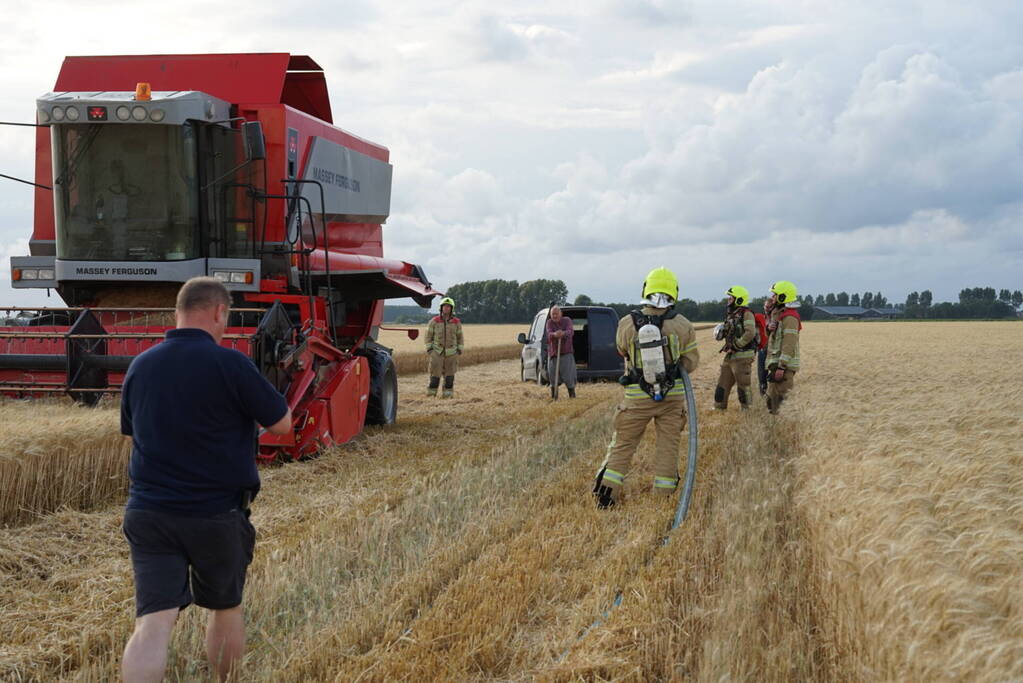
(607, 488)
(449, 386)
(431, 390)
(744, 397)
(720, 398)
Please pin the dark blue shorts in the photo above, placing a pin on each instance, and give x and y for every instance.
(181, 560)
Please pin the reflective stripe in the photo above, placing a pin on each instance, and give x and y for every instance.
(673, 347)
(665, 483)
(784, 357)
(790, 331)
(689, 347)
(739, 355)
(634, 391)
(613, 476)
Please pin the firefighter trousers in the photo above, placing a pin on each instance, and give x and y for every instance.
(630, 422)
(777, 391)
(734, 373)
(443, 366)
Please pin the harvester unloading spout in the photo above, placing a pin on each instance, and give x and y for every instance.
(166, 167)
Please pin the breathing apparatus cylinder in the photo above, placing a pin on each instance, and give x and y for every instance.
(651, 349)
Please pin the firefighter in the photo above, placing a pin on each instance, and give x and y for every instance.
(739, 333)
(663, 401)
(764, 318)
(444, 345)
(783, 344)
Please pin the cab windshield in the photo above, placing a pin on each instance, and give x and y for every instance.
(126, 192)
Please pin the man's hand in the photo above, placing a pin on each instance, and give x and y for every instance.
(779, 375)
(282, 426)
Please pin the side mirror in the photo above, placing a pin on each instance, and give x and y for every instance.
(255, 143)
(522, 338)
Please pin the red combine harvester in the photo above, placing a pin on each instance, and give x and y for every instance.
(151, 170)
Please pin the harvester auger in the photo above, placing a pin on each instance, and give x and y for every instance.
(151, 170)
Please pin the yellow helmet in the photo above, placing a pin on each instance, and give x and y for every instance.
(785, 291)
(740, 293)
(449, 301)
(661, 281)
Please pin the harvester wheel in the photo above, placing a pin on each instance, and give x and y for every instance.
(382, 406)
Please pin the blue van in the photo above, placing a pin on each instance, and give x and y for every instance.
(593, 341)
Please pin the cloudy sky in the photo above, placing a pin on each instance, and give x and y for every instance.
(841, 145)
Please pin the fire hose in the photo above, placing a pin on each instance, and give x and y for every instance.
(681, 510)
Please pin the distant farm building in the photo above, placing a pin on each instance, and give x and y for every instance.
(854, 313)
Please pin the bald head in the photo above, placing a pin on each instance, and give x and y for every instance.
(555, 313)
(203, 303)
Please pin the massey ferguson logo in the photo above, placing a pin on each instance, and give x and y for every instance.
(85, 270)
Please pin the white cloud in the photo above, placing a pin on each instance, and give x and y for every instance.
(840, 145)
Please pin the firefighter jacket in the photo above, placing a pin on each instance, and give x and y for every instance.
(740, 334)
(444, 336)
(679, 349)
(783, 343)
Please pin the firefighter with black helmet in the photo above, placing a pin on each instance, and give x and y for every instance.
(444, 343)
(783, 344)
(739, 334)
(656, 342)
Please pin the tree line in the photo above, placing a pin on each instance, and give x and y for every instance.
(504, 301)
(973, 303)
(509, 301)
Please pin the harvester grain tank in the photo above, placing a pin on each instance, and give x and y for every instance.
(151, 170)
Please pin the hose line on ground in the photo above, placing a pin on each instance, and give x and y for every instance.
(681, 511)
(687, 490)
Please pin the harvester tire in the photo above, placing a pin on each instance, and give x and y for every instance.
(382, 406)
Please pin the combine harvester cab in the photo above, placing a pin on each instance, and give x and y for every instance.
(167, 167)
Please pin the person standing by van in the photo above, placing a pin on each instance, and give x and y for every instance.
(560, 354)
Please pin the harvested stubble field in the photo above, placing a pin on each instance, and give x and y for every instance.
(483, 344)
(870, 532)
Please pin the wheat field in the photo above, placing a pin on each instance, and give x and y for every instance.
(869, 532)
(483, 344)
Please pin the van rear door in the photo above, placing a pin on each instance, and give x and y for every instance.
(603, 326)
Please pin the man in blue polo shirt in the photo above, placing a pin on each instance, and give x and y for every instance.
(191, 407)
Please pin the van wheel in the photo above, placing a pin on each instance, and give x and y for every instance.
(522, 370)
